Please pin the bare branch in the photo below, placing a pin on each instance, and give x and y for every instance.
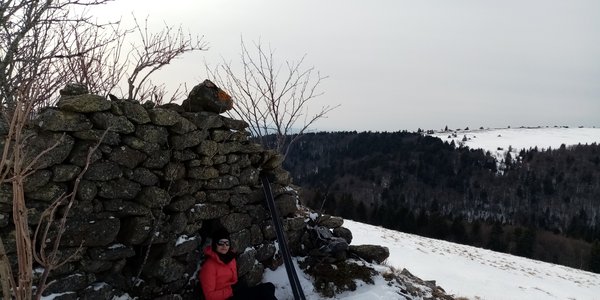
(30, 51)
(51, 261)
(43, 45)
(155, 51)
(274, 99)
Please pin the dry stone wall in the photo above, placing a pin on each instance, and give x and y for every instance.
(161, 178)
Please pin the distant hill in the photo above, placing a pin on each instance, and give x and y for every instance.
(500, 140)
(519, 201)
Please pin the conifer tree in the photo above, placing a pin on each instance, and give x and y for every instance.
(595, 257)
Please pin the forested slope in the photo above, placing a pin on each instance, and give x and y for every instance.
(415, 183)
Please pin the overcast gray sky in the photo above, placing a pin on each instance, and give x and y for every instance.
(402, 65)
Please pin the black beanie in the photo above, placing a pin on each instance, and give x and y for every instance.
(219, 234)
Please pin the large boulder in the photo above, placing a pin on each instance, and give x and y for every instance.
(152, 134)
(135, 112)
(92, 233)
(58, 120)
(153, 197)
(105, 120)
(57, 147)
(286, 205)
(37, 180)
(207, 97)
(127, 157)
(371, 253)
(166, 269)
(344, 233)
(103, 171)
(164, 117)
(236, 222)
(95, 135)
(85, 103)
(118, 189)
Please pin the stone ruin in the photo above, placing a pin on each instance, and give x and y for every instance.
(160, 180)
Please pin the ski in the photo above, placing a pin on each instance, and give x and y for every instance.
(287, 259)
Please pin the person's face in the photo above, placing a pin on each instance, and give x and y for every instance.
(223, 246)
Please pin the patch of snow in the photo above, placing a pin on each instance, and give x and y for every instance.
(116, 246)
(183, 238)
(276, 244)
(137, 281)
(475, 272)
(498, 141)
(98, 285)
(56, 295)
(123, 297)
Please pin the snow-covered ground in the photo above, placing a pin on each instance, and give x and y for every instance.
(474, 272)
(463, 271)
(498, 141)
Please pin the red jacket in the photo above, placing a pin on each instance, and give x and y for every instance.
(216, 277)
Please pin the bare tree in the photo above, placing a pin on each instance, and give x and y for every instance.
(101, 68)
(132, 55)
(155, 51)
(273, 98)
(43, 45)
(31, 46)
(51, 260)
(29, 50)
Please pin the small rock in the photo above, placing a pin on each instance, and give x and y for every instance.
(371, 252)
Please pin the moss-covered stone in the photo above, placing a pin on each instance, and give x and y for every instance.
(57, 120)
(84, 103)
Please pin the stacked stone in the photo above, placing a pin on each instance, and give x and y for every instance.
(159, 179)
(158, 175)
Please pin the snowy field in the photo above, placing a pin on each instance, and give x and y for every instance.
(478, 273)
(497, 141)
(463, 271)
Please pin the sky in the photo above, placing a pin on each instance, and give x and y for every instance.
(403, 65)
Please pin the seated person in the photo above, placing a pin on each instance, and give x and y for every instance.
(218, 274)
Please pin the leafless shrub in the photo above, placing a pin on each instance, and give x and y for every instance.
(273, 98)
(43, 45)
(155, 51)
(51, 261)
